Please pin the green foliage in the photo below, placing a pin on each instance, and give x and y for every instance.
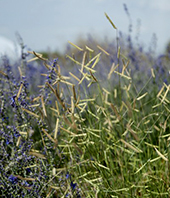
(102, 130)
(115, 139)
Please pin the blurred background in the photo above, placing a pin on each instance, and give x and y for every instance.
(49, 24)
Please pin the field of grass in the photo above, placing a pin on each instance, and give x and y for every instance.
(92, 124)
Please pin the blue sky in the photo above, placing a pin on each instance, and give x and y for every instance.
(51, 23)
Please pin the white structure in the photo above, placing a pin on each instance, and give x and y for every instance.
(9, 48)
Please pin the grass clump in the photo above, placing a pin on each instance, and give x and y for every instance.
(99, 130)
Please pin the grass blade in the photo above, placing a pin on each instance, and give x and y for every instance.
(110, 21)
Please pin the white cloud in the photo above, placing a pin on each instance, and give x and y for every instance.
(7, 47)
